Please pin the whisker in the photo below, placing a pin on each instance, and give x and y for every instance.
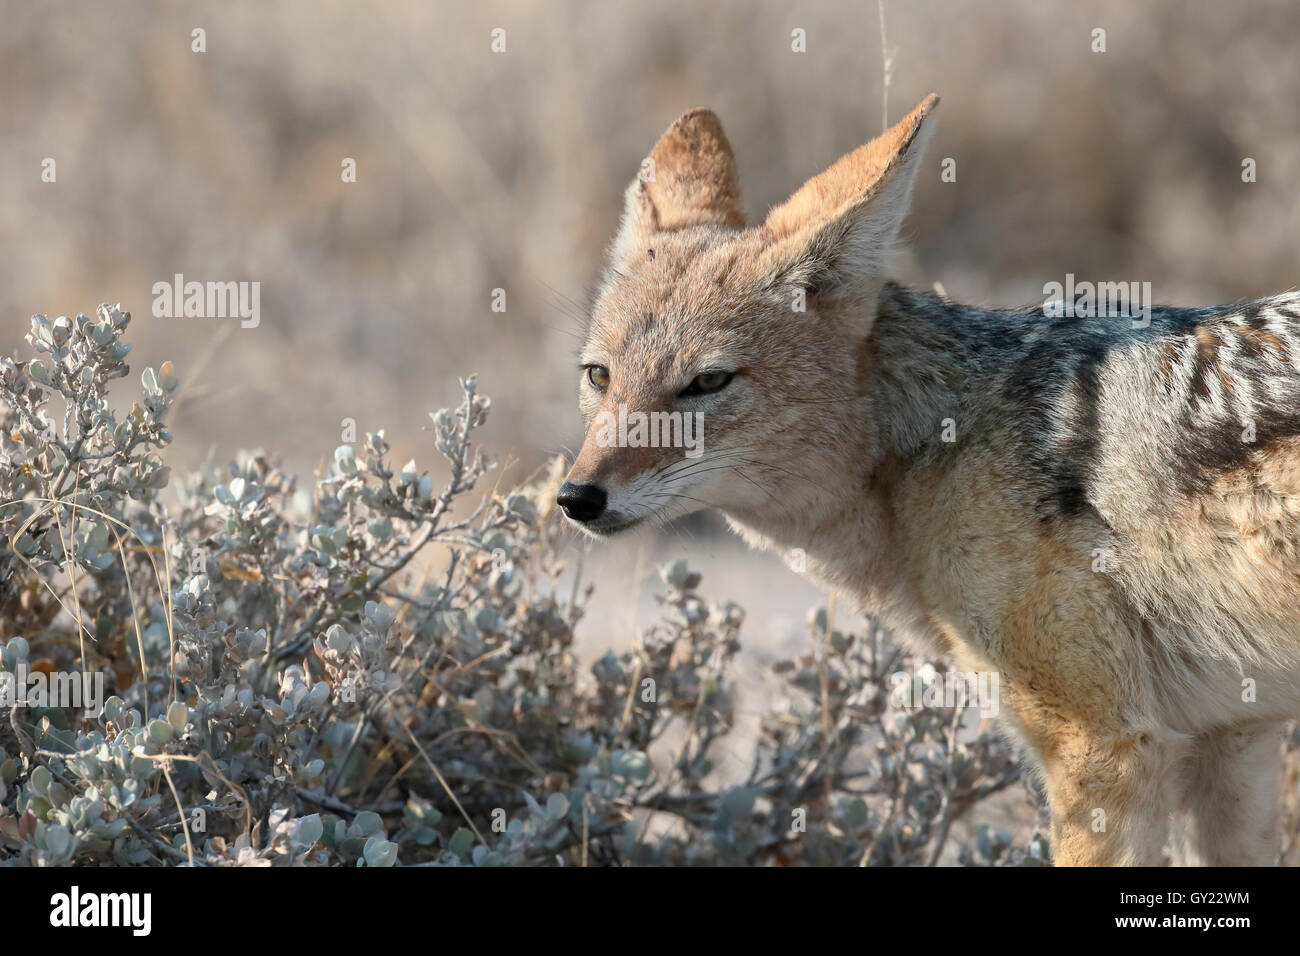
(766, 491)
(669, 494)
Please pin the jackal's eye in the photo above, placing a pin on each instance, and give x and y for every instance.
(706, 383)
(598, 376)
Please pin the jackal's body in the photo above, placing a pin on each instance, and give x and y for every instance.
(1106, 514)
(1168, 454)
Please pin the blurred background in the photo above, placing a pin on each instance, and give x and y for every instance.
(478, 170)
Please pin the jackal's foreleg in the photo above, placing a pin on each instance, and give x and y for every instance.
(1228, 813)
(1111, 794)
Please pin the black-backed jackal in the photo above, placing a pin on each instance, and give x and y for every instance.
(1106, 512)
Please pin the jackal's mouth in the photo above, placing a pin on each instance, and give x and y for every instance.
(609, 525)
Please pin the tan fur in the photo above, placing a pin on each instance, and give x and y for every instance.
(1130, 685)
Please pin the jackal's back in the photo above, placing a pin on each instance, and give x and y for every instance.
(1170, 449)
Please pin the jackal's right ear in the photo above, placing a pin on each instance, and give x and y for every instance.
(833, 234)
(689, 179)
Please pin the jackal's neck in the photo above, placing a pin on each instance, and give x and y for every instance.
(919, 365)
(920, 357)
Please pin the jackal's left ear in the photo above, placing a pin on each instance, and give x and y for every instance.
(689, 179)
(833, 234)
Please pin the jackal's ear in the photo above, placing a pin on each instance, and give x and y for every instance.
(689, 179)
(833, 234)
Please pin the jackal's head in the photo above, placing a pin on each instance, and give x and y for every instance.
(725, 364)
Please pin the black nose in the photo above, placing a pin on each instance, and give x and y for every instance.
(581, 502)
